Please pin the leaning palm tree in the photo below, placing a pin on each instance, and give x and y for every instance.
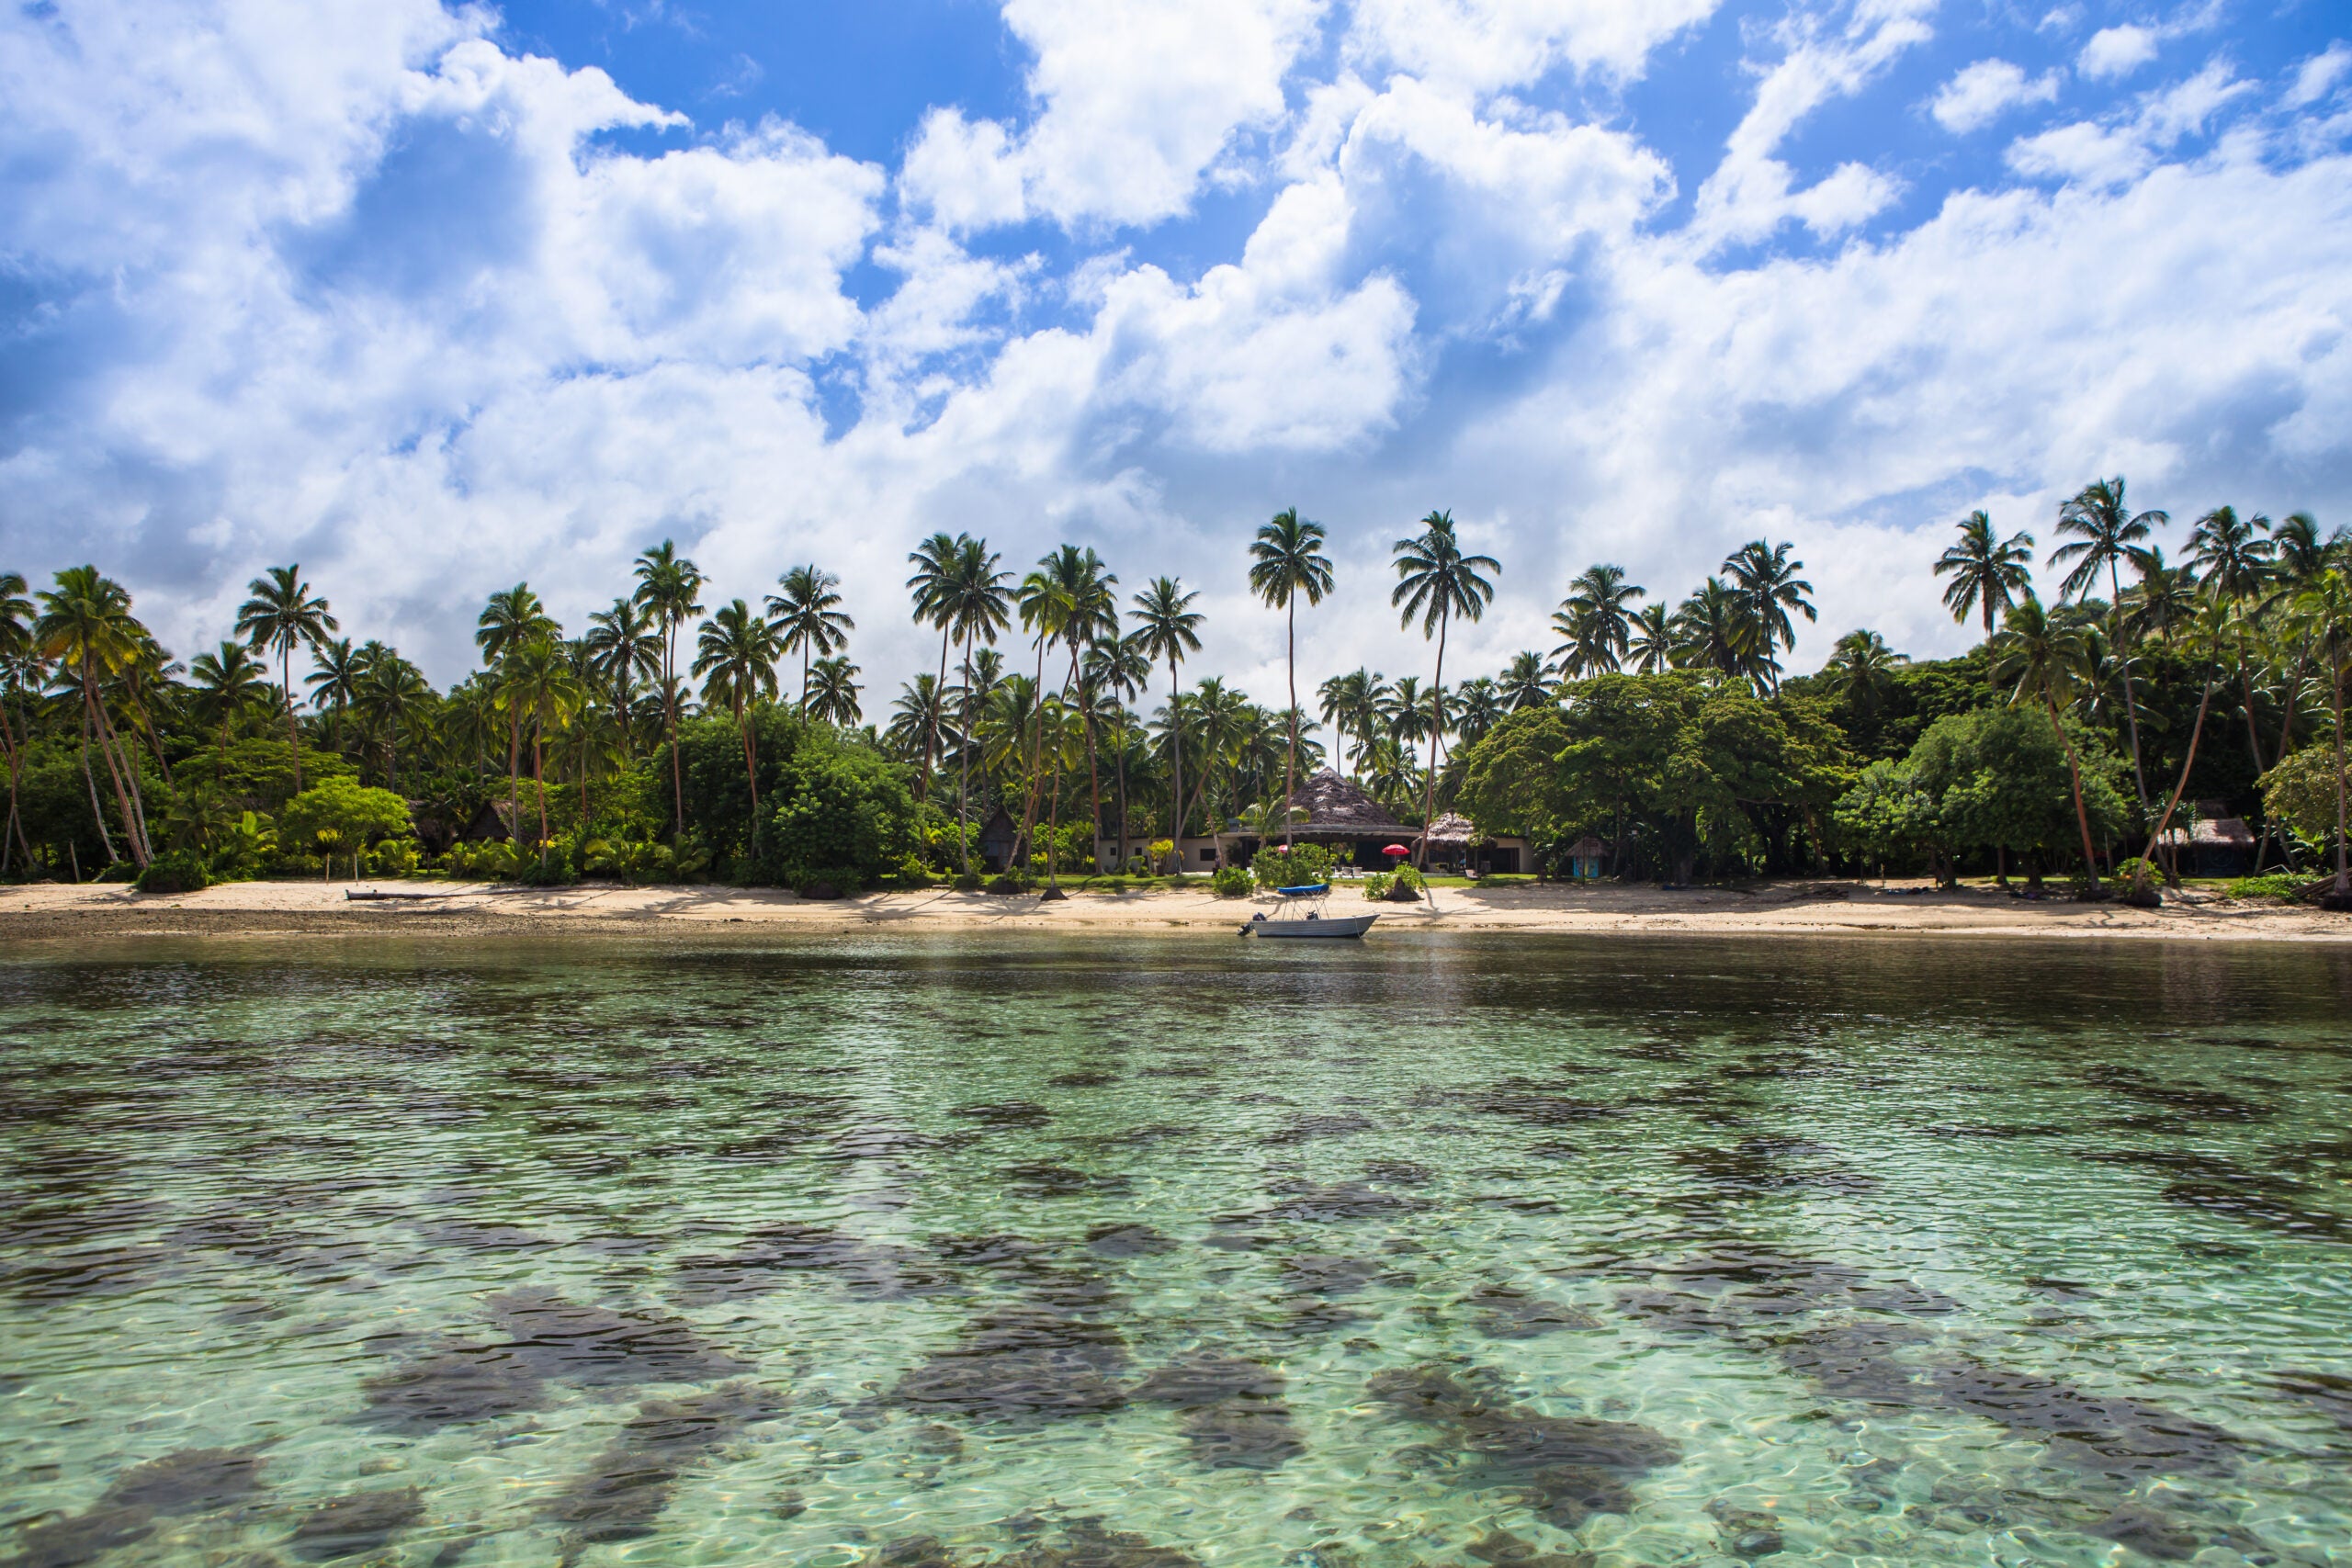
(671, 586)
(810, 619)
(1167, 626)
(1526, 684)
(1286, 560)
(736, 653)
(932, 585)
(979, 607)
(87, 629)
(2106, 534)
(832, 698)
(1436, 581)
(1987, 573)
(2040, 661)
(1767, 585)
(282, 612)
(1593, 621)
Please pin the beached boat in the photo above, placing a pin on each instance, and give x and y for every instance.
(1313, 925)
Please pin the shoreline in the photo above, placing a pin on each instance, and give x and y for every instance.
(54, 913)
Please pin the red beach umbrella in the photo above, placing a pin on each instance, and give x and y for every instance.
(1396, 850)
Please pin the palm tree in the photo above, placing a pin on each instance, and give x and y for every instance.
(1987, 574)
(537, 683)
(1593, 622)
(2209, 626)
(1768, 582)
(2324, 609)
(2106, 534)
(1713, 629)
(1861, 669)
(808, 615)
(624, 644)
(1287, 560)
(333, 680)
(736, 653)
(833, 697)
(1118, 669)
(1652, 640)
(226, 683)
(1084, 612)
(1353, 706)
(1527, 684)
(2165, 597)
(671, 586)
(2235, 558)
(391, 694)
(280, 612)
(512, 618)
(16, 651)
(932, 585)
(2300, 558)
(2041, 659)
(1480, 709)
(978, 607)
(1167, 626)
(85, 626)
(1436, 581)
(914, 717)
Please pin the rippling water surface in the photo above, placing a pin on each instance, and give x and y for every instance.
(1140, 1254)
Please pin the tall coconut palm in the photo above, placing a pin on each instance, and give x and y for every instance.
(1084, 612)
(2040, 661)
(281, 612)
(810, 619)
(1525, 684)
(392, 695)
(671, 586)
(832, 697)
(1713, 630)
(16, 652)
(2164, 599)
(2324, 609)
(932, 585)
(1481, 708)
(1167, 626)
(2300, 558)
(511, 618)
(1987, 573)
(1286, 560)
(2105, 533)
(914, 717)
(1352, 706)
(624, 645)
(1652, 640)
(1118, 669)
(2237, 561)
(86, 628)
(333, 680)
(1436, 581)
(1861, 669)
(2206, 630)
(1767, 585)
(228, 683)
(736, 653)
(537, 685)
(1594, 622)
(978, 605)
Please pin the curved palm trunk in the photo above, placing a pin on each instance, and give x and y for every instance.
(1033, 787)
(539, 785)
(2130, 704)
(98, 813)
(964, 765)
(1122, 787)
(286, 684)
(2075, 777)
(2196, 731)
(1290, 761)
(2254, 745)
(938, 701)
(514, 776)
(15, 769)
(1437, 722)
(1176, 763)
(95, 716)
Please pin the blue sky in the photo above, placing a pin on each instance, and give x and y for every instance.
(432, 299)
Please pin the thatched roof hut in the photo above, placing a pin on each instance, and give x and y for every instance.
(1453, 830)
(1339, 808)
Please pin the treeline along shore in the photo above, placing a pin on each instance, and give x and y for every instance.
(2136, 722)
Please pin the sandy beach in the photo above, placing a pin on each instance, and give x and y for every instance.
(45, 914)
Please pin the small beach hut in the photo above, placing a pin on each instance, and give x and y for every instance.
(995, 842)
(1584, 859)
(2213, 844)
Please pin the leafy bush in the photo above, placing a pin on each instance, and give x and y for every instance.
(493, 860)
(827, 882)
(120, 871)
(846, 818)
(1163, 855)
(1230, 882)
(1009, 883)
(2278, 885)
(635, 863)
(1380, 883)
(393, 857)
(1295, 867)
(175, 871)
(968, 882)
(341, 817)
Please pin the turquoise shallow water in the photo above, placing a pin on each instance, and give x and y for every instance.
(1503, 1253)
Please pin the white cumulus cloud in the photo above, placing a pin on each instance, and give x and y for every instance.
(1982, 93)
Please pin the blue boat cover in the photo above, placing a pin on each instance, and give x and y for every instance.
(1303, 892)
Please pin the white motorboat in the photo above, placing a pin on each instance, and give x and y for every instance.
(1314, 925)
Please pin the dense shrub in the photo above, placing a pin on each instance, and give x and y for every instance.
(1230, 882)
(175, 871)
(1295, 867)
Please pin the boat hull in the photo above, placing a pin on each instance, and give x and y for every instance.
(1351, 925)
